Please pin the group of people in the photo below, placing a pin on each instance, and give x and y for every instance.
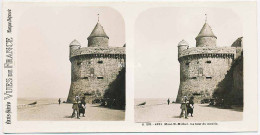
(79, 106)
(187, 106)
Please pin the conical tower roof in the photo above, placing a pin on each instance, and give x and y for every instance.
(206, 31)
(98, 31)
(183, 42)
(74, 42)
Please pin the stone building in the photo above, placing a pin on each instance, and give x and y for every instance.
(94, 67)
(203, 67)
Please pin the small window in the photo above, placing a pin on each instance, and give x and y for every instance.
(196, 94)
(100, 61)
(79, 63)
(188, 63)
(200, 71)
(193, 77)
(99, 77)
(208, 61)
(85, 77)
(92, 71)
(208, 77)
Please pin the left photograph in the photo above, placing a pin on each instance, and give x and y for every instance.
(71, 64)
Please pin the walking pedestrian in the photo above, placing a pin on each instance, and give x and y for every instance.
(59, 101)
(75, 107)
(184, 107)
(82, 107)
(190, 106)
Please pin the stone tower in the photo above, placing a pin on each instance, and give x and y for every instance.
(206, 37)
(183, 45)
(74, 45)
(204, 66)
(98, 37)
(94, 67)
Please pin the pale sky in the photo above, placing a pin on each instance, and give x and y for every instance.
(157, 34)
(44, 34)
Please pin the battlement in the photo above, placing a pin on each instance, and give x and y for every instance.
(208, 51)
(98, 50)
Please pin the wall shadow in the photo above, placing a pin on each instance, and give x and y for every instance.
(230, 90)
(114, 96)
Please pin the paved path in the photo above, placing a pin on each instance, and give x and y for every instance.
(170, 113)
(55, 112)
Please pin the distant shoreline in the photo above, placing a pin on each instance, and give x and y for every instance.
(152, 101)
(40, 101)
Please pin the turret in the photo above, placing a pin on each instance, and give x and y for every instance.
(98, 37)
(183, 45)
(74, 45)
(206, 37)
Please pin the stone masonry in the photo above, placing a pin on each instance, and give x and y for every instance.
(94, 67)
(204, 66)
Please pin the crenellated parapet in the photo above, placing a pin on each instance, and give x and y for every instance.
(104, 52)
(213, 52)
(212, 55)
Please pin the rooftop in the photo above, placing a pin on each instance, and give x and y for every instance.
(98, 31)
(74, 42)
(206, 31)
(183, 42)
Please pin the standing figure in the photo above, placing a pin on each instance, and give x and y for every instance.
(168, 101)
(59, 101)
(190, 106)
(184, 107)
(82, 107)
(75, 107)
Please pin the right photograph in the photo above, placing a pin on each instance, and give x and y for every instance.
(188, 65)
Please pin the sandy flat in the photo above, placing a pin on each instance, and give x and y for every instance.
(170, 113)
(56, 112)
